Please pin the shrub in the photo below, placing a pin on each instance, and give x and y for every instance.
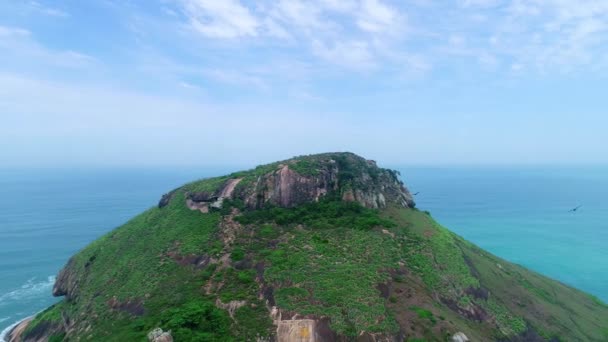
(196, 321)
(237, 254)
(423, 313)
(325, 214)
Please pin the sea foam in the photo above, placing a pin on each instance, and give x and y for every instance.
(7, 330)
(30, 289)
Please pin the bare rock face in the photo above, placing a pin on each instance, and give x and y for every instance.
(231, 306)
(292, 327)
(295, 328)
(306, 179)
(286, 188)
(345, 174)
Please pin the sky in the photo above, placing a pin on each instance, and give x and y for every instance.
(209, 82)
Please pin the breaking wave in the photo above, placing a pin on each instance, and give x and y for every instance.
(30, 289)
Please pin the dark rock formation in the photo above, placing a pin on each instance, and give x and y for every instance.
(202, 197)
(164, 201)
(66, 283)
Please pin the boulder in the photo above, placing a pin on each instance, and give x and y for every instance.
(158, 335)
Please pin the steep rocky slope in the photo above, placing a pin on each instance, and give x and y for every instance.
(326, 247)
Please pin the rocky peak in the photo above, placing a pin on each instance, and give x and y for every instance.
(295, 181)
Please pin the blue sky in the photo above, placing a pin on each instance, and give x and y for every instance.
(202, 82)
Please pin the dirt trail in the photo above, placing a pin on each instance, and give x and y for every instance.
(229, 188)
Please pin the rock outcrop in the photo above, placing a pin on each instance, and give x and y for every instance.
(66, 283)
(460, 337)
(292, 327)
(15, 335)
(288, 184)
(344, 174)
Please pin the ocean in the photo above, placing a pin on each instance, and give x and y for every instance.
(518, 213)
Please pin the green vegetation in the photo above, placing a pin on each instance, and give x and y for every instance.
(325, 214)
(433, 247)
(305, 167)
(57, 338)
(423, 313)
(209, 185)
(320, 268)
(50, 315)
(507, 322)
(197, 321)
(238, 254)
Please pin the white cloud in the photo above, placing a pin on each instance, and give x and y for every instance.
(539, 35)
(556, 33)
(346, 33)
(276, 30)
(377, 17)
(46, 10)
(344, 6)
(221, 19)
(300, 15)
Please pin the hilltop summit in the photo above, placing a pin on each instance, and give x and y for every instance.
(300, 180)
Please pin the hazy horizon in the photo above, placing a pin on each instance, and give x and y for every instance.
(233, 167)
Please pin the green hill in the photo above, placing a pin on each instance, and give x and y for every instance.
(327, 247)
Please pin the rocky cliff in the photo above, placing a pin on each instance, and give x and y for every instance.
(317, 248)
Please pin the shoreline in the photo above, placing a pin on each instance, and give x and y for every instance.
(6, 333)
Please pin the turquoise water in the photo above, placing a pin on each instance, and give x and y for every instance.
(520, 214)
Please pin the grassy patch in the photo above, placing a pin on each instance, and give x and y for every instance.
(305, 167)
(433, 253)
(209, 185)
(336, 272)
(508, 323)
(424, 314)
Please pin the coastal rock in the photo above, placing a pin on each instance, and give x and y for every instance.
(165, 199)
(66, 283)
(16, 334)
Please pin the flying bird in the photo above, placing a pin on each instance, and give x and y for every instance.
(575, 209)
(417, 193)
